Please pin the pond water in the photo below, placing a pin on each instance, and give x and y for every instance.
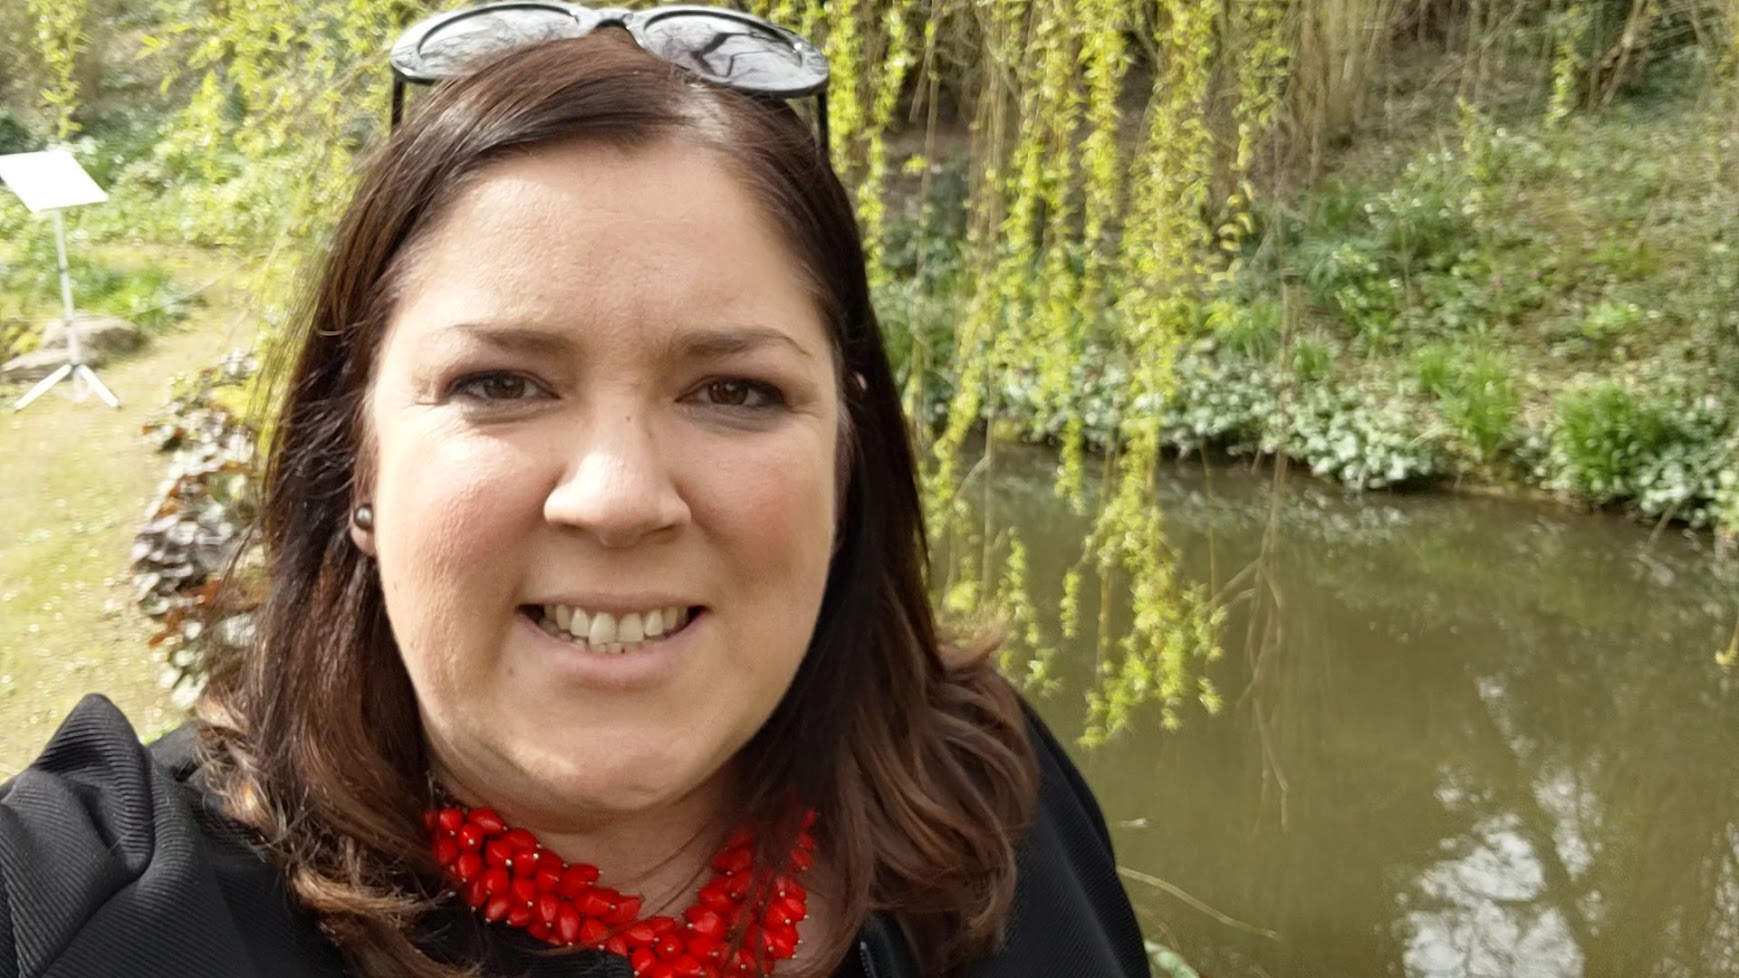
(1485, 740)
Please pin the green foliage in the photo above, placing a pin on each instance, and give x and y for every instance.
(146, 296)
(15, 136)
(1670, 452)
(59, 38)
(1475, 390)
(1097, 265)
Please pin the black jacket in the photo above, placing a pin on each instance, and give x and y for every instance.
(114, 863)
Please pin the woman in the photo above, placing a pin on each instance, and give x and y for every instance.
(596, 639)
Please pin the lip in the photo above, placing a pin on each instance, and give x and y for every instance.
(648, 667)
(619, 604)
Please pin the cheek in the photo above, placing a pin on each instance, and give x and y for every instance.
(773, 510)
(444, 505)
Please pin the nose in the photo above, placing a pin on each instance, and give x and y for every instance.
(618, 485)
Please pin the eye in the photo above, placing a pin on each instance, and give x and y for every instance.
(736, 392)
(497, 385)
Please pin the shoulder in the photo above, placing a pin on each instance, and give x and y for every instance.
(1071, 914)
(110, 865)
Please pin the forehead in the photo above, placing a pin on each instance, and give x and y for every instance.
(593, 236)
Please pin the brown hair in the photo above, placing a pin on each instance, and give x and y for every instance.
(919, 767)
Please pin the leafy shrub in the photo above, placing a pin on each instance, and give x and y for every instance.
(147, 297)
(1607, 325)
(1474, 390)
(15, 136)
(1668, 453)
(198, 525)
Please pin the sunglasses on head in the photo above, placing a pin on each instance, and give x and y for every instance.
(722, 46)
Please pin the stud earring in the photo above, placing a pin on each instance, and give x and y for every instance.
(363, 517)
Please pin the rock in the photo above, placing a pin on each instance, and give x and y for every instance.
(96, 335)
(31, 367)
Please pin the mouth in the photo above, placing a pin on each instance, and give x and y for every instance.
(608, 633)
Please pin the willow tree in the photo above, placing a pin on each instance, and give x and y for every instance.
(1112, 145)
(60, 37)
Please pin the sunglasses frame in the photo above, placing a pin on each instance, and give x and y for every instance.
(409, 67)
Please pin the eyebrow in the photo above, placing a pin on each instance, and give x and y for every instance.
(690, 344)
(706, 344)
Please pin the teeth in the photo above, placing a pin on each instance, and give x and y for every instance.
(630, 629)
(613, 634)
(603, 629)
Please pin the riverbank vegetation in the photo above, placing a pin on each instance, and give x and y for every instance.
(1402, 243)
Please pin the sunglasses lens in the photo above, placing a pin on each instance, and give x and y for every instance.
(733, 52)
(459, 44)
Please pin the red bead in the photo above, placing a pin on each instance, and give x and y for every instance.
(686, 967)
(495, 882)
(547, 907)
(467, 866)
(576, 879)
(473, 894)
(660, 969)
(497, 852)
(641, 933)
(446, 850)
(627, 911)
(780, 945)
(487, 820)
(520, 839)
(520, 915)
(593, 931)
(667, 948)
(733, 861)
(547, 879)
(715, 896)
(641, 959)
(705, 922)
(617, 945)
(496, 908)
(567, 923)
(450, 819)
(702, 948)
(469, 836)
(540, 930)
(523, 890)
(595, 903)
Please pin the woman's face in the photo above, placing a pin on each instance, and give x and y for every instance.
(606, 404)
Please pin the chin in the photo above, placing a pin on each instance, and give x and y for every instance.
(632, 783)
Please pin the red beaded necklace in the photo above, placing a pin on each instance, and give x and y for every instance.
(510, 877)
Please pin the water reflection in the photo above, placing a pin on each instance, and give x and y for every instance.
(1486, 740)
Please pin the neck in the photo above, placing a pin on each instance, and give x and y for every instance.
(660, 854)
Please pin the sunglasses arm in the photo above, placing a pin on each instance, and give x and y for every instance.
(821, 123)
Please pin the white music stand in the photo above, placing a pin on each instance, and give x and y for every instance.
(53, 181)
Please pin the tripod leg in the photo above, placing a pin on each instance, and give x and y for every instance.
(89, 376)
(42, 386)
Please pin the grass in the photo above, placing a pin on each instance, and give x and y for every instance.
(78, 479)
